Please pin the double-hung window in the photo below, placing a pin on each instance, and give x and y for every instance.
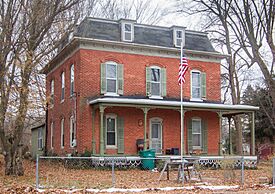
(111, 77)
(52, 93)
(40, 138)
(62, 133)
(155, 81)
(111, 139)
(72, 132)
(198, 85)
(72, 80)
(52, 135)
(127, 32)
(196, 133)
(62, 86)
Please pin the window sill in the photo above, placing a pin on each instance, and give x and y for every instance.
(196, 99)
(111, 147)
(62, 101)
(156, 97)
(111, 94)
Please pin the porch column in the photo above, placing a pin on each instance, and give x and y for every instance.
(93, 132)
(145, 111)
(253, 133)
(220, 137)
(101, 146)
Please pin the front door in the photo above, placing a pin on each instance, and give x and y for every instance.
(156, 136)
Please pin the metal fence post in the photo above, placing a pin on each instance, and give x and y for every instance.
(37, 172)
(242, 172)
(273, 172)
(113, 172)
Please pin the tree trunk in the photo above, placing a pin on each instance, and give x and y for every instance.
(239, 139)
(14, 163)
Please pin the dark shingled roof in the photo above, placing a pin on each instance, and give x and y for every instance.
(143, 34)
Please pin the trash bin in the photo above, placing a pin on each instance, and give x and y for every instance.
(148, 164)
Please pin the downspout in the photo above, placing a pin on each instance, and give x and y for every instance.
(46, 130)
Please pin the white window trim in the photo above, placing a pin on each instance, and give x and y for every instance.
(160, 83)
(156, 120)
(113, 116)
(52, 130)
(40, 137)
(197, 119)
(123, 31)
(191, 86)
(62, 86)
(175, 36)
(62, 133)
(72, 78)
(72, 121)
(116, 89)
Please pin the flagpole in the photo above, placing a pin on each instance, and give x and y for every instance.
(181, 110)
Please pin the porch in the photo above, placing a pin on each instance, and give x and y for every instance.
(148, 105)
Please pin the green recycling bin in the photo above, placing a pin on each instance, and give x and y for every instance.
(148, 164)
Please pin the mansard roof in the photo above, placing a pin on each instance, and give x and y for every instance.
(103, 29)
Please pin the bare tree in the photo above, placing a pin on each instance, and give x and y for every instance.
(30, 30)
(144, 11)
(243, 29)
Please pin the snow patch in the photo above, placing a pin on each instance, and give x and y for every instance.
(222, 187)
(41, 190)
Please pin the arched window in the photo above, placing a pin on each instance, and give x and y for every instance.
(52, 93)
(111, 77)
(155, 81)
(62, 86)
(195, 84)
(62, 140)
(72, 89)
(52, 135)
(72, 132)
(198, 85)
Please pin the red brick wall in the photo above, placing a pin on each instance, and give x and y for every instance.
(64, 109)
(87, 84)
(134, 73)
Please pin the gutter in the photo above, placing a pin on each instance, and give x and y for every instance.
(174, 103)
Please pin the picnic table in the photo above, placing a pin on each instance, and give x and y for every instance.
(186, 168)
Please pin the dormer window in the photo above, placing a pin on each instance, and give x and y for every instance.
(178, 36)
(127, 32)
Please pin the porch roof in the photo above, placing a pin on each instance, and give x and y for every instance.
(225, 109)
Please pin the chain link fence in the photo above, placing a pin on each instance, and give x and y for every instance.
(136, 172)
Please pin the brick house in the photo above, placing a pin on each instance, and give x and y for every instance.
(114, 83)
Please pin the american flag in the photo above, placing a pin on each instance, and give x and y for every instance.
(183, 67)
